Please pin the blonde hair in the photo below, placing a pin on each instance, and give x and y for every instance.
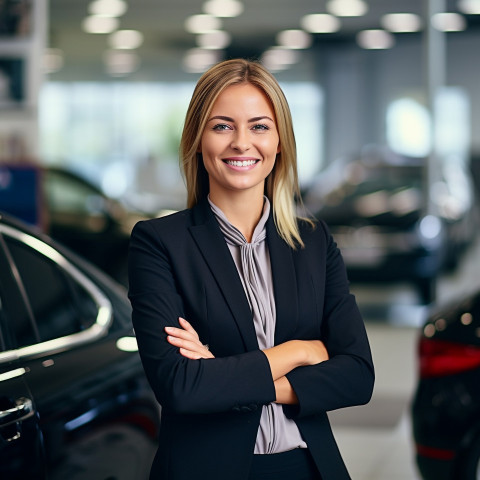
(281, 185)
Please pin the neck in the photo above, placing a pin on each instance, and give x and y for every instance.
(242, 211)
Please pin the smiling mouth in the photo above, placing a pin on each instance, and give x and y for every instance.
(240, 163)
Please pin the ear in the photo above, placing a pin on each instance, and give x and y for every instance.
(279, 148)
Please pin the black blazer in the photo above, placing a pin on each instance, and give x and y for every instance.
(180, 265)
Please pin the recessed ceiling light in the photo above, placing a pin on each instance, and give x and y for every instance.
(214, 40)
(125, 39)
(97, 24)
(202, 23)
(449, 22)
(401, 22)
(108, 8)
(197, 60)
(296, 39)
(347, 8)
(120, 63)
(470, 7)
(320, 23)
(223, 8)
(375, 39)
(277, 58)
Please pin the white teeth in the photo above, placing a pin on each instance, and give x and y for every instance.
(243, 163)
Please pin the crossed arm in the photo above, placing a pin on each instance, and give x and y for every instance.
(282, 358)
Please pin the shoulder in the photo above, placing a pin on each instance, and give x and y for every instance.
(163, 226)
(313, 230)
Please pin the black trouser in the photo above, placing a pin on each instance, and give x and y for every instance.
(292, 465)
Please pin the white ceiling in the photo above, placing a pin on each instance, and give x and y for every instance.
(166, 41)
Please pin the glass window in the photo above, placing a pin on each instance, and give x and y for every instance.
(65, 194)
(408, 127)
(60, 306)
(13, 311)
(125, 136)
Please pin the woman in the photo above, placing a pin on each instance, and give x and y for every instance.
(245, 324)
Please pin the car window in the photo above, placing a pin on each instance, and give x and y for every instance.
(59, 304)
(64, 194)
(3, 320)
(12, 307)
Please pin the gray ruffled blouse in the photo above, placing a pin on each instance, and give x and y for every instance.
(276, 432)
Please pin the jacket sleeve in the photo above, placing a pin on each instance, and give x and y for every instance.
(234, 383)
(347, 378)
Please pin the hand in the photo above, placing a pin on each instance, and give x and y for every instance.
(287, 356)
(186, 339)
(316, 352)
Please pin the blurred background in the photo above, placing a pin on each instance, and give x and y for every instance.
(385, 100)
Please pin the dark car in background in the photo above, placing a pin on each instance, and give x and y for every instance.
(82, 217)
(74, 401)
(375, 205)
(74, 211)
(446, 405)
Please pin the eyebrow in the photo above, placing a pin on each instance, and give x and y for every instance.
(229, 119)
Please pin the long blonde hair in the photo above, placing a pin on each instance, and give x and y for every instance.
(281, 185)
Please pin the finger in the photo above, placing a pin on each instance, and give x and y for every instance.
(180, 333)
(187, 326)
(189, 354)
(187, 344)
(195, 355)
(190, 349)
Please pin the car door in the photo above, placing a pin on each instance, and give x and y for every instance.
(21, 443)
(94, 418)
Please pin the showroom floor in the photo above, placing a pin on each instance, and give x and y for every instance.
(376, 439)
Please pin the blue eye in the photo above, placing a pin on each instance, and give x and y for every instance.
(260, 126)
(221, 126)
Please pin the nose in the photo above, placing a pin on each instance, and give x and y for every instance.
(240, 140)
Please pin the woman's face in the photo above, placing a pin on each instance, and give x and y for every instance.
(240, 141)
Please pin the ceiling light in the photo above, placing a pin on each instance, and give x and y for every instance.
(277, 58)
(223, 8)
(108, 8)
(197, 60)
(120, 63)
(448, 22)
(296, 39)
(202, 23)
(125, 39)
(375, 39)
(401, 22)
(347, 8)
(470, 7)
(320, 23)
(214, 40)
(97, 24)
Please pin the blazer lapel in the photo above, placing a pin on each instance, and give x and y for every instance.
(284, 284)
(214, 249)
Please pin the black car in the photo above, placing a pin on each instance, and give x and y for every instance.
(82, 217)
(74, 211)
(446, 405)
(376, 208)
(74, 401)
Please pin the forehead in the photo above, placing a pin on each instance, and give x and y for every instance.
(243, 96)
